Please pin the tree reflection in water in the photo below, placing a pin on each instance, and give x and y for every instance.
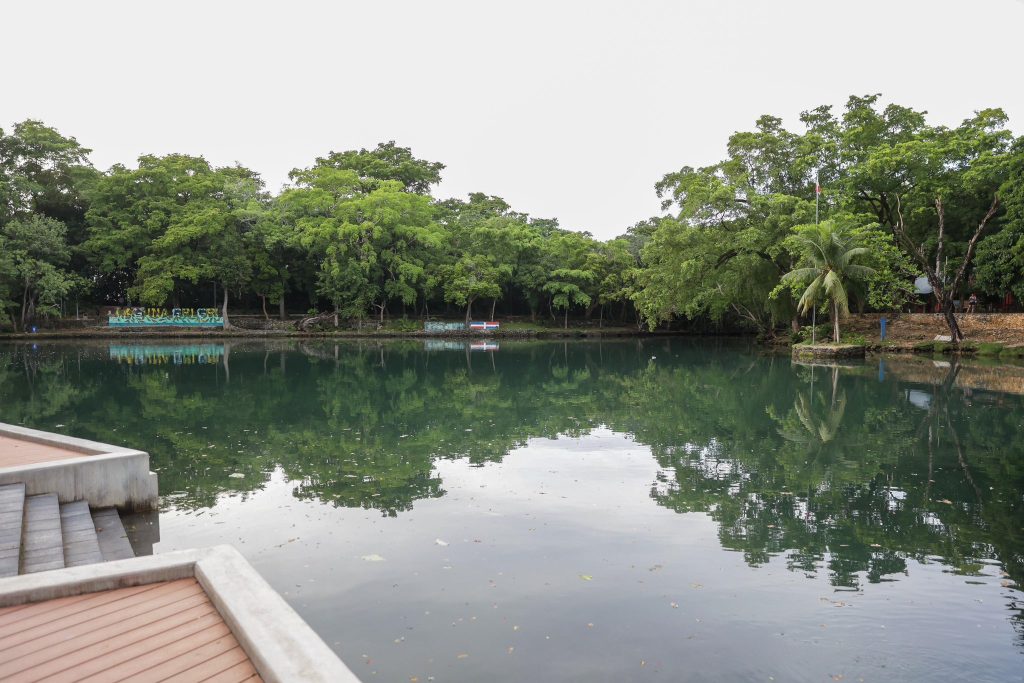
(824, 468)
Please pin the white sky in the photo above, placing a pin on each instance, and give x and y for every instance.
(566, 109)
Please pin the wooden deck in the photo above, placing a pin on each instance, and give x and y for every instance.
(167, 631)
(15, 452)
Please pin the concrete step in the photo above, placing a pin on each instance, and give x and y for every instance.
(42, 544)
(12, 515)
(114, 543)
(81, 546)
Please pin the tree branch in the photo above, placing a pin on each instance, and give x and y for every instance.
(974, 242)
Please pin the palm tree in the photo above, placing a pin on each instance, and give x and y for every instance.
(831, 250)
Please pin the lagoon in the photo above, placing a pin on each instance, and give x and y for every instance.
(658, 509)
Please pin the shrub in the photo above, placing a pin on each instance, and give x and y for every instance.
(822, 334)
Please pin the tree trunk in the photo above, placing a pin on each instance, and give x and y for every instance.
(565, 325)
(794, 323)
(469, 309)
(835, 322)
(955, 334)
(24, 305)
(281, 313)
(224, 310)
(335, 317)
(600, 319)
(263, 298)
(493, 304)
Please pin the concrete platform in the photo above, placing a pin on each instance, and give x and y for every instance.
(76, 469)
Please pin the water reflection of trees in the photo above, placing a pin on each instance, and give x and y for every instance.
(825, 469)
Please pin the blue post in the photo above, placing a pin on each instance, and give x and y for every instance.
(883, 321)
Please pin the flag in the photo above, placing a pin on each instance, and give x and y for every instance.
(817, 185)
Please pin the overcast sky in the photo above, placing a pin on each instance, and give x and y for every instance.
(566, 109)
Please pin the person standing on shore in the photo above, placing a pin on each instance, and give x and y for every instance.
(972, 302)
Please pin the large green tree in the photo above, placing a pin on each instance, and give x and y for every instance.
(371, 246)
(33, 279)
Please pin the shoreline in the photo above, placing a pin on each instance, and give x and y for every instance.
(122, 333)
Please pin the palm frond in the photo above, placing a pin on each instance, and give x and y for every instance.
(836, 292)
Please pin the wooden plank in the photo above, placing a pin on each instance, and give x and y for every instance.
(14, 452)
(212, 667)
(84, 633)
(113, 540)
(100, 647)
(244, 671)
(171, 630)
(157, 650)
(106, 600)
(37, 608)
(200, 650)
(41, 541)
(81, 546)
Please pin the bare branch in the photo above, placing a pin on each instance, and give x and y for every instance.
(974, 242)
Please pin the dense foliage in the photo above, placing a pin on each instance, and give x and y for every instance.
(357, 234)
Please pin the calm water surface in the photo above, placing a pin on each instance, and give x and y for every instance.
(614, 511)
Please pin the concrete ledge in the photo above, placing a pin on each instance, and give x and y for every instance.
(828, 351)
(104, 475)
(279, 643)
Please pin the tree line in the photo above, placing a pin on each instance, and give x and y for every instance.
(357, 234)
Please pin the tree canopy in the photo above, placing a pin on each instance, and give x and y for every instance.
(358, 234)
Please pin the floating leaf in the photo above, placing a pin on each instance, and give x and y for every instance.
(586, 577)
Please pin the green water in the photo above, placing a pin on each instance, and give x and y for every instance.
(594, 511)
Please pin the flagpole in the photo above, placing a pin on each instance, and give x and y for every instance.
(814, 308)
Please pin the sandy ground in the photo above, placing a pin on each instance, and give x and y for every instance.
(907, 329)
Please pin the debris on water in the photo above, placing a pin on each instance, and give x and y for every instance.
(236, 475)
(373, 557)
(586, 577)
(674, 605)
(438, 541)
(462, 656)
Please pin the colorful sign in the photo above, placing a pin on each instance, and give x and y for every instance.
(436, 326)
(196, 354)
(161, 317)
(483, 326)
